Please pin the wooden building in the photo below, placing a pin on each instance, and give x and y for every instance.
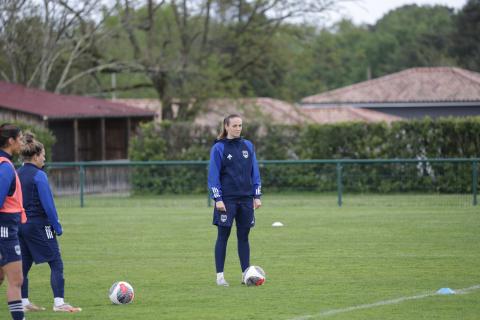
(86, 128)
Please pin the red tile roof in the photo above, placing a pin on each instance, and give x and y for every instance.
(251, 109)
(441, 84)
(55, 106)
(347, 114)
(281, 112)
(154, 105)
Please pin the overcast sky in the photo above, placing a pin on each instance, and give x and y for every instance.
(369, 11)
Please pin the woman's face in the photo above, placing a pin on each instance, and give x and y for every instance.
(39, 160)
(234, 128)
(16, 144)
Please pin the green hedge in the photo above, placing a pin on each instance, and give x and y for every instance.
(417, 139)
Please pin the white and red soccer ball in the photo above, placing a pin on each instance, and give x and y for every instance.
(121, 292)
(254, 276)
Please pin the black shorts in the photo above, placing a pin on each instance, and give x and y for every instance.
(239, 210)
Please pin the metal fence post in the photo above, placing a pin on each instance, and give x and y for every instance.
(209, 200)
(339, 183)
(474, 181)
(82, 185)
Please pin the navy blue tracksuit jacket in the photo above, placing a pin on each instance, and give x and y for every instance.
(233, 170)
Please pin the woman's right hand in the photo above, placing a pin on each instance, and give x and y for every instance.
(220, 206)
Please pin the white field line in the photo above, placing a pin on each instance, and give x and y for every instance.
(331, 312)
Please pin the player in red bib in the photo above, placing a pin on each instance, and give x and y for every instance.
(11, 215)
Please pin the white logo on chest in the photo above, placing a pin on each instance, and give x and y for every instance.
(245, 154)
(229, 157)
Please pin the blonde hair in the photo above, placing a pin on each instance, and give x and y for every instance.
(31, 146)
(223, 134)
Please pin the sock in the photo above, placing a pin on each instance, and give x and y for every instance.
(58, 301)
(25, 302)
(16, 309)
(220, 275)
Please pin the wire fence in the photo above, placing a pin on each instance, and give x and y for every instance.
(441, 181)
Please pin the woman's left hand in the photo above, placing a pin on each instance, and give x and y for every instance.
(257, 203)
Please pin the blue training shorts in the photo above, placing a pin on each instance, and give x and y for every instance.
(38, 242)
(9, 245)
(239, 210)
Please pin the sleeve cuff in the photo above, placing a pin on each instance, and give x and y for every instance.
(218, 199)
(58, 229)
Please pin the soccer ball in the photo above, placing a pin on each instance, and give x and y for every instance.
(121, 292)
(254, 276)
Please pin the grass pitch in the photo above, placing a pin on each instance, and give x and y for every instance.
(325, 258)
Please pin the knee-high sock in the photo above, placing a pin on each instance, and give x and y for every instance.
(56, 277)
(243, 247)
(26, 265)
(221, 247)
(16, 309)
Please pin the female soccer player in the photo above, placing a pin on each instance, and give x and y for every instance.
(11, 215)
(38, 237)
(234, 182)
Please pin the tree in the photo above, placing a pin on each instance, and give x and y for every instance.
(50, 44)
(191, 50)
(466, 37)
(340, 55)
(292, 67)
(345, 53)
(411, 36)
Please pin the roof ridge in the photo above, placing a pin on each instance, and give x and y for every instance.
(364, 112)
(365, 83)
(361, 114)
(272, 103)
(468, 74)
(341, 114)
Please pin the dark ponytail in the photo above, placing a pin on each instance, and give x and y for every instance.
(8, 131)
(226, 122)
(31, 147)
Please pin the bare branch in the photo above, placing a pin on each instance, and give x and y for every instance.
(127, 24)
(73, 55)
(39, 65)
(79, 75)
(4, 76)
(142, 85)
(206, 25)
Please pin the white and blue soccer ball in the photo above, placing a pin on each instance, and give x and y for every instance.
(121, 292)
(254, 276)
